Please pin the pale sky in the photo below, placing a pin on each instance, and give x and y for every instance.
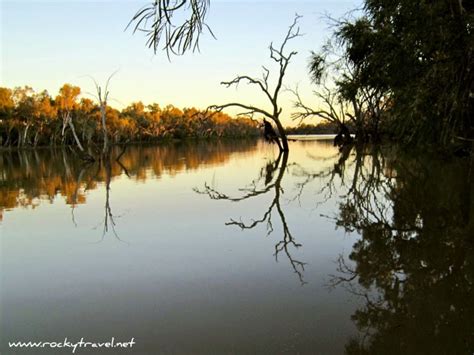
(45, 44)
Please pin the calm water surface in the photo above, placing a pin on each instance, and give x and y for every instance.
(230, 248)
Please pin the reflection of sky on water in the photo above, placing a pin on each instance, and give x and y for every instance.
(181, 281)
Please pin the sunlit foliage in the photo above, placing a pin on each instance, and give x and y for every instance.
(28, 118)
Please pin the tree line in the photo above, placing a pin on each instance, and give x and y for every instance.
(30, 118)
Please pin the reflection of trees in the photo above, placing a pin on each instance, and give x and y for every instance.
(271, 175)
(109, 221)
(29, 177)
(414, 261)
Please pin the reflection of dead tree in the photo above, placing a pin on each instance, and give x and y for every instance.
(278, 55)
(271, 184)
(108, 216)
(105, 165)
(108, 209)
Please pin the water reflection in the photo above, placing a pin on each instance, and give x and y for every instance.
(407, 220)
(269, 182)
(414, 262)
(109, 221)
(29, 177)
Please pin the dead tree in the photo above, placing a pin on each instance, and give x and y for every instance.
(333, 109)
(272, 94)
(102, 97)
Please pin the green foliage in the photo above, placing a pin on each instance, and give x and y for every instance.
(316, 67)
(421, 54)
(403, 68)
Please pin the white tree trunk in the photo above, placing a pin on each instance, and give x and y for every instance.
(68, 120)
(104, 127)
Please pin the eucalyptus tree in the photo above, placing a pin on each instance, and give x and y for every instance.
(157, 21)
(24, 112)
(7, 106)
(67, 102)
(420, 53)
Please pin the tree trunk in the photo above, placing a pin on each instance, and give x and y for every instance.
(104, 127)
(7, 142)
(20, 136)
(25, 134)
(75, 135)
(35, 140)
(67, 120)
(284, 146)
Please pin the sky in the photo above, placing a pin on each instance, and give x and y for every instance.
(45, 44)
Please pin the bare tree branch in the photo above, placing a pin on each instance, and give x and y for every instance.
(251, 109)
(279, 56)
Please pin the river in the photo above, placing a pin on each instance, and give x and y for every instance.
(228, 247)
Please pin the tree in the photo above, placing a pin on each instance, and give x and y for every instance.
(420, 54)
(46, 114)
(67, 102)
(135, 113)
(102, 97)
(278, 55)
(156, 21)
(6, 102)
(346, 95)
(7, 106)
(333, 109)
(25, 112)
